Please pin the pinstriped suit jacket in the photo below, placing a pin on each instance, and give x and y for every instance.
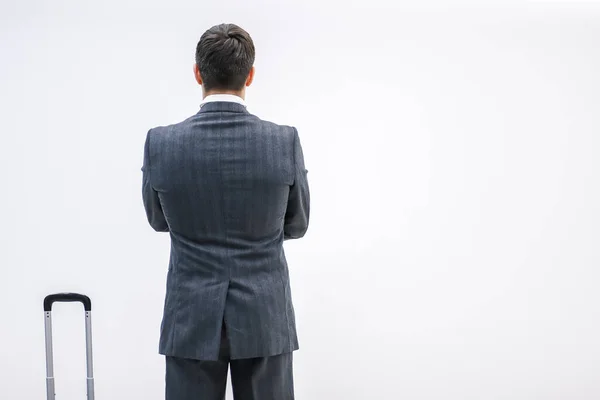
(229, 188)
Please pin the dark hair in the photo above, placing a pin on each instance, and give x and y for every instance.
(225, 55)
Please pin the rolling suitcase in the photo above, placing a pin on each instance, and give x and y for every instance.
(87, 305)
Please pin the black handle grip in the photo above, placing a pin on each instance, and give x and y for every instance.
(67, 298)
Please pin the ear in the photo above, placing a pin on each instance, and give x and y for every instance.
(250, 76)
(197, 74)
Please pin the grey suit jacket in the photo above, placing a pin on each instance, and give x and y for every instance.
(229, 188)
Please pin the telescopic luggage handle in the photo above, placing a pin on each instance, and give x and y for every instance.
(87, 305)
(67, 298)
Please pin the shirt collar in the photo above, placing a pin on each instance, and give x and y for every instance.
(223, 97)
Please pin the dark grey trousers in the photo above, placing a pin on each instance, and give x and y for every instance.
(265, 378)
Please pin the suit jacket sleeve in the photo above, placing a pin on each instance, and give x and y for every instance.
(298, 207)
(154, 211)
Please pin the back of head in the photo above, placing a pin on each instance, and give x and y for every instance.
(224, 56)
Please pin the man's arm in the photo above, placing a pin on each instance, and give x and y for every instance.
(298, 207)
(154, 211)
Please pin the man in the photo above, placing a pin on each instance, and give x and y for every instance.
(229, 188)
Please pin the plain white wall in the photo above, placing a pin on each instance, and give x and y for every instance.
(454, 160)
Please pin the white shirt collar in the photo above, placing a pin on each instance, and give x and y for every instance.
(223, 97)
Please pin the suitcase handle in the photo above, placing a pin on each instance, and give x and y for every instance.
(67, 298)
(87, 304)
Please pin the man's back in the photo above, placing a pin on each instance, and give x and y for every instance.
(229, 188)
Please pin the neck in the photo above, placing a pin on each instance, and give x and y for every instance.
(239, 93)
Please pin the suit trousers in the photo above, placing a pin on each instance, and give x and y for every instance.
(264, 378)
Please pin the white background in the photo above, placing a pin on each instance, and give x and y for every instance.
(454, 160)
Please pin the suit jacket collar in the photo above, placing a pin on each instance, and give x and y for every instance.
(223, 106)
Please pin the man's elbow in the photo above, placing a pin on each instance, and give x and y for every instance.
(294, 232)
(159, 225)
(161, 228)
